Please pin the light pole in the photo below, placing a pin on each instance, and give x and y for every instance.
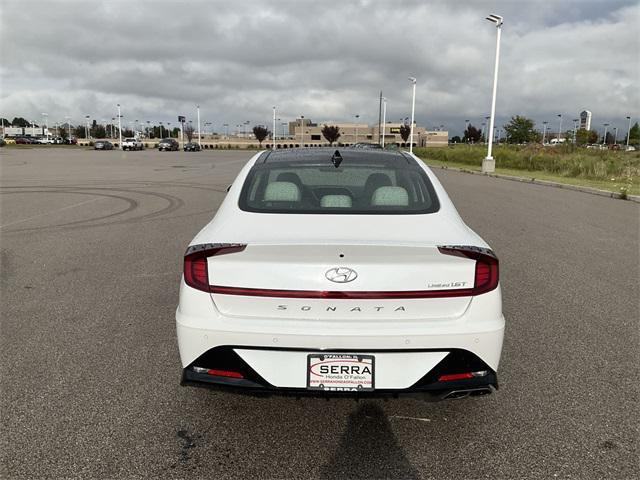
(199, 137)
(273, 133)
(226, 130)
(489, 164)
(46, 121)
(544, 131)
(384, 118)
(575, 129)
(628, 133)
(356, 117)
(302, 130)
(604, 139)
(119, 127)
(413, 110)
(86, 127)
(169, 129)
(284, 124)
(615, 135)
(160, 129)
(559, 128)
(466, 129)
(68, 119)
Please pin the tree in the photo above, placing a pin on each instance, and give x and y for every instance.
(20, 122)
(188, 131)
(456, 139)
(584, 137)
(472, 134)
(520, 130)
(634, 135)
(609, 139)
(405, 131)
(260, 132)
(80, 131)
(99, 131)
(331, 133)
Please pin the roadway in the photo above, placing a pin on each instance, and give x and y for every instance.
(91, 251)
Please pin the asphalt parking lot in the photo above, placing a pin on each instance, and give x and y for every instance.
(92, 244)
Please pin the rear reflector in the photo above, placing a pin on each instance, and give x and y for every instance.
(225, 373)
(217, 373)
(462, 376)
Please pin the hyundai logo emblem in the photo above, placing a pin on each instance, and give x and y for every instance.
(341, 275)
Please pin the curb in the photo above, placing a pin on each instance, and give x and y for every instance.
(548, 183)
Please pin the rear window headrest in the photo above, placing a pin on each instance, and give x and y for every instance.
(339, 201)
(282, 192)
(390, 197)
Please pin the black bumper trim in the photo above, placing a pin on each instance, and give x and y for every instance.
(225, 358)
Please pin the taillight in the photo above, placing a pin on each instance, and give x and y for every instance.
(196, 273)
(486, 273)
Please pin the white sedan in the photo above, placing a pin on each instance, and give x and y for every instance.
(340, 272)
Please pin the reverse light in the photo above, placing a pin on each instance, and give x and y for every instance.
(196, 273)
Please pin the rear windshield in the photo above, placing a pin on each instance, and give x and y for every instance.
(378, 186)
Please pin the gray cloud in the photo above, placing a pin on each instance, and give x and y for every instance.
(326, 60)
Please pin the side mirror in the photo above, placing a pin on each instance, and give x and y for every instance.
(229, 187)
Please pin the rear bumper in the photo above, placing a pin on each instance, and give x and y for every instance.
(429, 385)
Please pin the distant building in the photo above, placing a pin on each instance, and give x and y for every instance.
(351, 133)
(585, 120)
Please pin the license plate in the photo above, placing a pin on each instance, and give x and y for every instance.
(338, 372)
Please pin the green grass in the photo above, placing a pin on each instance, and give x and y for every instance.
(614, 171)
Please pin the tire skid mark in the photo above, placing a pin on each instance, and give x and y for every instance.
(173, 204)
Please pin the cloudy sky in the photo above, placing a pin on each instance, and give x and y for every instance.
(326, 60)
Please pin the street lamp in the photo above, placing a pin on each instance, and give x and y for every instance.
(559, 128)
(604, 139)
(413, 110)
(302, 130)
(489, 164)
(284, 124)
(466, 129)
(575, 129)
(169, 129)
(384, 118)
(273, 133)
(46, 121)
(544, 131)
(68, 127)
(120, 127)
(356, 117)
(86, 127)
(199, 137)
(615, 135)
(160, 129)
(226, 130)
(628, 133)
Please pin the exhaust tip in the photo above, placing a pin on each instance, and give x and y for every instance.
(465, 392)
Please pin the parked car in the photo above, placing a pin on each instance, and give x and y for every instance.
(374, 146)
(192, 147)
(132, 143)
(57, 140)
(340, 271)
(71, 141)
(168, 144)
(23, 141)
(2, 142)
(102, 145)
